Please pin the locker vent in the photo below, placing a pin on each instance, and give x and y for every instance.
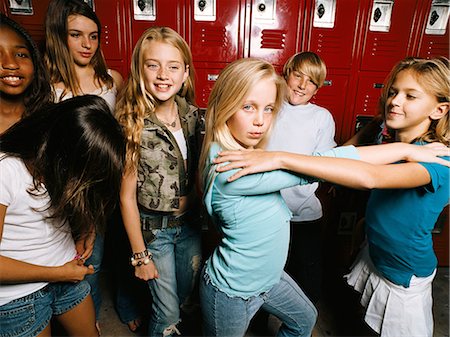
(214, 37)
(273, 39)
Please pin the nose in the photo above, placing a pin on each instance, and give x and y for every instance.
(8, 61)
(302, 82)
(162, 74)
(259, 118)
(86, 43)
(395, 100)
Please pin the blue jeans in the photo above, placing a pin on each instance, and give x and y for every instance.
(96, 260)
(177, 256)
(30, 315)
(230, 316)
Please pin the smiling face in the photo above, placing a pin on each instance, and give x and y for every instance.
(409, 107)
(16, 64)
(251, 122)
(82, 39)
(164, 70)
(301, 88)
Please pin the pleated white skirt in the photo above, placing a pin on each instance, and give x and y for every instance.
(393, 310)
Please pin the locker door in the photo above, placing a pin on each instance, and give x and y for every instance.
(112, 17)
(388, 33)
(148, 13)
(274, 29)
(216, 39)
(332, 96)
(434, 39)
(332, 31)
(32, 20)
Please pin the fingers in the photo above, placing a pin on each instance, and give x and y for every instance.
(230, 166)
(443, 162)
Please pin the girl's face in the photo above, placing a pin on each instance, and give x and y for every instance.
(409, 106)
(301, 88)
(16, 64)
(164, 70)
(82, 39)
(251, 122)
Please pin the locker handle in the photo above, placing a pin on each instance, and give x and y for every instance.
(262, 7)
(327, 83)
(378, 85)
(202, 5)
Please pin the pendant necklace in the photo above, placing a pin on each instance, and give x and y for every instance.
(173, 124)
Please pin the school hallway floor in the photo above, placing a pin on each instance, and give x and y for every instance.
(339, 312)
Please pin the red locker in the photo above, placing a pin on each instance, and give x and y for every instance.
(275, 30)
(333, 35)
(388, 33)
(434, 36)
(149, 13)
(332, 96)
(33, 22)
(216, 38)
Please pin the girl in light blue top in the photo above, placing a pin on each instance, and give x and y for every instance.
(395, 271)
(245, 272)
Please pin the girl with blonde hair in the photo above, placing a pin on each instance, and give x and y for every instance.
(158, 199)
(395, 270)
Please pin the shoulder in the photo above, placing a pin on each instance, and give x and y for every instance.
(117, 78)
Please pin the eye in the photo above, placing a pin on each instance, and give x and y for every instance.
(409, 96)
(74, 35)
(94, 37)
(268, 110)
(248, 108)
(152, 66)
(174, 67)
(22, 55)
(391, 93)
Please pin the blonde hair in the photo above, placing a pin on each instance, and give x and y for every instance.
(57, 57)
(434, 77)
(135, 102)
(308, 63)
(227, 97)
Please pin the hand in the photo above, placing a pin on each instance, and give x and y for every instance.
(146, 271)
(251, 161)
(85, 246)
(75, 271)
(429, 153)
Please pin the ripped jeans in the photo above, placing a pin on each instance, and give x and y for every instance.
(177, 256)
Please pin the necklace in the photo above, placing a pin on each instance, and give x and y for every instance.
(174, 123)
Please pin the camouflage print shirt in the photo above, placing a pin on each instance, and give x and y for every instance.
(162, 177)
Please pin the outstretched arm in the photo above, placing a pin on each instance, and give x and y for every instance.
(351, 173)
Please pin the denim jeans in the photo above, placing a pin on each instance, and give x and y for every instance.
(96, 260)
(177, 256)
(30, 315)
(230, 316)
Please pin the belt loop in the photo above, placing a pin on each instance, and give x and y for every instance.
(164, 221)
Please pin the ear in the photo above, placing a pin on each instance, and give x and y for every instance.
(186, 73)
(440, 110)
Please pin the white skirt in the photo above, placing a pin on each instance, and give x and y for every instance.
(393, 310)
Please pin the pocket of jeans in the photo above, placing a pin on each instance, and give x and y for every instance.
(16, 321)
(149, 236)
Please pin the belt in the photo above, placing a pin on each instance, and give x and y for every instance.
(163, 221)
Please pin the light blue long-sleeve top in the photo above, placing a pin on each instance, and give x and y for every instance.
(254, 221)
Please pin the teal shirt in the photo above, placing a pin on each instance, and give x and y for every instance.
(254, 221)
(400, 223)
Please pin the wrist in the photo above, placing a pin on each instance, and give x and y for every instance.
(141, 258)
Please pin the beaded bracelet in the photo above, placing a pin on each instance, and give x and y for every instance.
(136, 258)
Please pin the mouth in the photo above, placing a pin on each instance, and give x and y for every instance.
(256, 135)
(162, 87)
(12, 80)
(86, 55)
